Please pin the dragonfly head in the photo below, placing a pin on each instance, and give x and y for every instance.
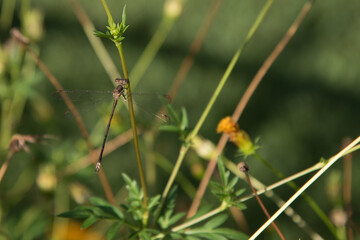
(121, 81)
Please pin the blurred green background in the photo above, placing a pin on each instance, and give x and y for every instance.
(306, 105)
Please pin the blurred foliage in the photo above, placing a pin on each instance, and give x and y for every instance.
(307, 103)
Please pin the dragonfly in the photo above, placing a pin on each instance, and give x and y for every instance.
(119, 92)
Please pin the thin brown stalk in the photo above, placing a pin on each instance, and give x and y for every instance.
(243, 168)
(73, 110)
(245, 99)
(5, 165)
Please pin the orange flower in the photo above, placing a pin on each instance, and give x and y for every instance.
(239, 137)
(227, 125)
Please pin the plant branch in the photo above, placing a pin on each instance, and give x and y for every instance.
(244, 100)
(331, 161)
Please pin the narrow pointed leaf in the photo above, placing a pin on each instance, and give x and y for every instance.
(184, 119)
(113, 230)
(89, 221)
(222, 170)
(215, 222)
(176, 218)
(231, 234)
(79, 212)
(232, 183)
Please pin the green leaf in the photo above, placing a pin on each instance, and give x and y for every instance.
(231, 234)
(184, 120)
(154, 201)
(165, 219)
(101, 34)
(205, 234)
(113, 230)
(144, 235)
(169, 128)
(216, 189)
(107, 207)
(238, 205)
(221, 168)
(99, 201)
(239, 192)
(176, 218)
(172, 114)
(126, 179)
(89, 221)
(79, 212)
(175, 236)
(123, 18)
(232, 183)
(191, 238)
(215, 222)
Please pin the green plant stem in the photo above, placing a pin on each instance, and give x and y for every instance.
(181, 179)
(108, 13)
(315, 207)
(183, 150)
(228, 71)
(151, 49)
(216, 93)
(133, 125)
(132, 115)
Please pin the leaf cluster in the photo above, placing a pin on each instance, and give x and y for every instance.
(101, 209)
(133, 212)
(225, 190)
(115, 30)
(168, 218)
(178, 122)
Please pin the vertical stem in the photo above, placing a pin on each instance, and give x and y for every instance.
(110, 19)
(133, 125)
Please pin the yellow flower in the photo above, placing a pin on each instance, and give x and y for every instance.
(227, 125)
(239, 137)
